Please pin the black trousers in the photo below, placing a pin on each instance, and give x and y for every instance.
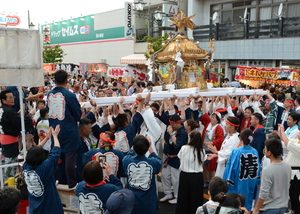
(190, 192)
(66, 173)
(295, 194)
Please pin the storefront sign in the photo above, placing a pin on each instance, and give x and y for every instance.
(269, 75)
(79, 30)
(170, 10)
(9, 20)
(128, 30)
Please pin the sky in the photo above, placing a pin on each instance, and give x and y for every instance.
(55, 10)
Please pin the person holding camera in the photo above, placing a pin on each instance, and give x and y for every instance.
(93, 191)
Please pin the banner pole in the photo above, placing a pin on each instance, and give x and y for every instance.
(22, 110)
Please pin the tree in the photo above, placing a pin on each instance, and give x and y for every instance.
(52, 54)
(156, 42)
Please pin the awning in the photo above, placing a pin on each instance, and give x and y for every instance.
(134, 59)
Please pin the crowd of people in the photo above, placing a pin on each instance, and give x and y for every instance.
(244, 149)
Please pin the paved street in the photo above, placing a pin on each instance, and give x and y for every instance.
(165, 207)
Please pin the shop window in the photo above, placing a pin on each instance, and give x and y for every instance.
(275, 11)
(247, 3)
(293, 10)
(227, 6)
(216, 7)
(226, 16)
(238, 4)
(265, 2)
(278, 1)
(265, 13)
(237, 14)
(252, 14)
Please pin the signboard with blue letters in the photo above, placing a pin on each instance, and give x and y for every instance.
(128, 21)
(79, 31)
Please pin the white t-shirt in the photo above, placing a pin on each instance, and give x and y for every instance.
(189, 160)
(42, 128)
(146, 90)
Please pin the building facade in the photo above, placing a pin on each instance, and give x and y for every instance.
(102, 38)
(96, 38)
(261, 33)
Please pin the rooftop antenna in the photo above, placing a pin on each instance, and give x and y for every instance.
(215, 18)
(280, 10)
(244, 19)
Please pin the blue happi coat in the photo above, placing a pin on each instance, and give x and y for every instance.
(42, 193)
(242, 173)
(64, 110)
(141, 171)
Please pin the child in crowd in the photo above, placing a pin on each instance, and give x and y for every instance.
(232, 203)
(39, 173)
(120, 202)
(42, 128)
(216, 188)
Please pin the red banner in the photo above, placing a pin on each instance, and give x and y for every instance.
(127, 72)
(269, 75)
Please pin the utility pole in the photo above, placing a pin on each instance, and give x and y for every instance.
(183, 5)
(149, 19)
(30, 24)
(28, 19)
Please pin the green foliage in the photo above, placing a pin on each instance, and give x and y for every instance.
(52, 54)
(156, 42)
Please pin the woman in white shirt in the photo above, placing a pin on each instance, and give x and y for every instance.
(190, 191)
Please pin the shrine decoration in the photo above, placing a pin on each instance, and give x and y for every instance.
(181, 61)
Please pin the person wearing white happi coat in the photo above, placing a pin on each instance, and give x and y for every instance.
(293, 159)
(291, 132)
(151, 128)
(231, 142)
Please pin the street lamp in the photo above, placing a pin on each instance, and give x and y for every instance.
(158, 15)
(139, 6)
(155, 17)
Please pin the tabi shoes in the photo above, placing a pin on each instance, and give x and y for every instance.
(173, 201)
(166, 198)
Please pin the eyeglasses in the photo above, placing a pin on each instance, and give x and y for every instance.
(228, 210)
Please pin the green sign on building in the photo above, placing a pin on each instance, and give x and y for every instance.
(78, 30)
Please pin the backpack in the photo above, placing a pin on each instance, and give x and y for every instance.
(21, 185)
